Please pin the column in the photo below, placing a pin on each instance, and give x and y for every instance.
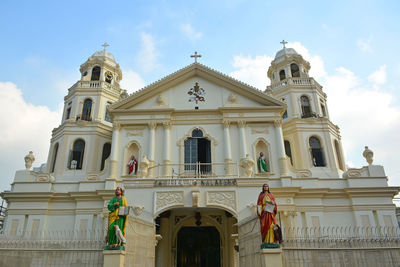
(242, 137)
(114, 150)
(228, 152)
(167, 149)
(281, 148)
(294, 105)
(152, 146)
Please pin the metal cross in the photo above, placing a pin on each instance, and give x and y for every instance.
(105, 45)
(195, 56)
(283, 42)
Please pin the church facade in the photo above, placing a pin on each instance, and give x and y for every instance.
(192, 151)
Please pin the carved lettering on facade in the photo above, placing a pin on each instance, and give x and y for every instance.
(167, 199)
(222, 198)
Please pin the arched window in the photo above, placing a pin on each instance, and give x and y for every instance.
(197, 150)
(105, 155)
(53, 163)
(96, 73)
(295, 70)
(87, 109)
(305, 107)
(282, 75)
(323, 110)
(288, 151)
(316, 152)
(339, 155)
(76, 156)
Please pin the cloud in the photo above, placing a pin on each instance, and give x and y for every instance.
(190, 33)
(365, 45)
(148, 54)
(317, 65)
(25, 127)
(252, 70)
(378, 77)
(132, 81)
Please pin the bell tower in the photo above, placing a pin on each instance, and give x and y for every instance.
(81, 145)
(311, 140)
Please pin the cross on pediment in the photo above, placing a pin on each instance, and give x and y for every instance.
(195, 56)
(283, 42)
(105, 45)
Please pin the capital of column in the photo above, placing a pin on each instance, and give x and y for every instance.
(117, 125)
(226, 123)
(277, 123)
(241, 123)
(167, 124)
(152, 125)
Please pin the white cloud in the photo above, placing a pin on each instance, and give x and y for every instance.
(317, 65)
(131, 81)
(365, 45)
(190, 33)
(252, 70)
(148, 54)
(378, 77)
(25, 127)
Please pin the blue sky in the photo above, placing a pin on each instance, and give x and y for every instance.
(352, 47)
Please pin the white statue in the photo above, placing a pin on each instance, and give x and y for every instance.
(368, 155)
(144, 166)
(29, 159)
(247, 164)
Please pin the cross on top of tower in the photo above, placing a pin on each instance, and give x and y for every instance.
(195, 56)
(283, 42)
(105, 45)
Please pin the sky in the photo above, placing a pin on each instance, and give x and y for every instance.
(352, 47)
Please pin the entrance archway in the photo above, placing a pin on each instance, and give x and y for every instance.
(198, 247)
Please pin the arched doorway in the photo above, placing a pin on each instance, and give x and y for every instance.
(198, 247)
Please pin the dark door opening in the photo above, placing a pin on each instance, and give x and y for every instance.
(198, 247)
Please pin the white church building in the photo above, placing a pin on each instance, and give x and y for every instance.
(196, 136)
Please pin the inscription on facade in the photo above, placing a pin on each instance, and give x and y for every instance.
(195, 182)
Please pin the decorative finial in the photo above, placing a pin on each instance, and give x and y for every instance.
(283, 43)
(368, 155)
(105, 46)
(29, 159)
(195, 56)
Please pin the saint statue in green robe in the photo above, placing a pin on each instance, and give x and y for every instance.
(113, 218)
(262, 163)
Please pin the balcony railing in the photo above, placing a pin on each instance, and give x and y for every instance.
(292, 81)
(197, 170)
(93, 84)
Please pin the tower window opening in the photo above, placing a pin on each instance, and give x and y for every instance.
(295, 70)
(282, 75)
(288, 151)
(87, 109)
(78, 150)
(68, 113)
(323, 110)
(106, 153)
(316, 152)
(305, 107)
(96, 73)
(107, 116)
(53, 163)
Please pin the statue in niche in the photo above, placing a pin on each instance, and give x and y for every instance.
(133, 166)
(267, 209)
(262, 163)
(118, 207)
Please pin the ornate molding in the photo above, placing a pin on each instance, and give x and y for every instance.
(168, 199)
(134, 133)
(226, 123)
(117, 125)
(225, 199)
(167, 124)
(259, 130)
(277, 123)
(303, 173)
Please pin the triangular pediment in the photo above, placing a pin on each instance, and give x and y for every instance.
(218, 90)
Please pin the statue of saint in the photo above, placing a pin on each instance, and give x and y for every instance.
(133, 165)
(116, 222)
(262, 163)
(266, 211)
